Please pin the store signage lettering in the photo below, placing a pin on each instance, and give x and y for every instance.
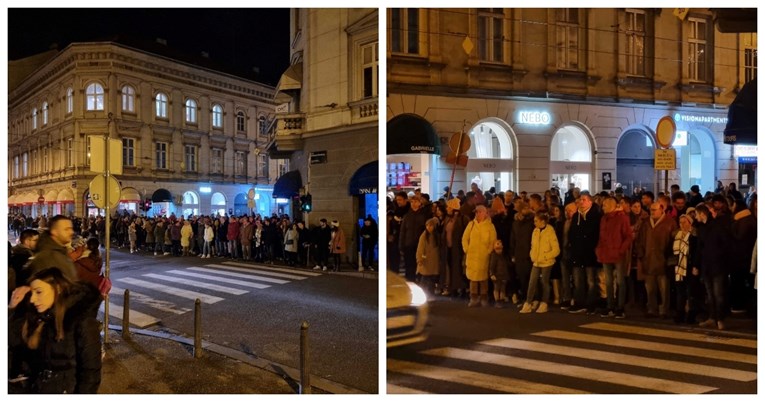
(205, 190)
(368, 190)
(535, 118)
(700, 119)
(570, 168)
(423, 148)
(745, 150)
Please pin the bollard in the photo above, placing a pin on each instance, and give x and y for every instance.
(305, 375)
(197, 329)
(126, 316)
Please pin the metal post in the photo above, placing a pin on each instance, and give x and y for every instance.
(126, 316)
(305, 375)
(197, 329)
(107, 222)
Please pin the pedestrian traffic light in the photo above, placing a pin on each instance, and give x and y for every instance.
(306, 203)
(147, 204)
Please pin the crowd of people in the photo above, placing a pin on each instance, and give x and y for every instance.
(677, 255)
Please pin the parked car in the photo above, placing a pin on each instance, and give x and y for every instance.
(407, 306)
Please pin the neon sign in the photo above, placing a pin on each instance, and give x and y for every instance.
(534, 118)
(700, 119)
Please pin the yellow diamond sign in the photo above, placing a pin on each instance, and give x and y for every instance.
(467, 45)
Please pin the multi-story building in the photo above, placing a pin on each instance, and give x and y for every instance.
(551, 97)
(193, 139)
(327, 117)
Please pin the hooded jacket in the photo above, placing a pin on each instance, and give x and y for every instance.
(478, 244)
(544, 247)
(583, 237)
(50, 254)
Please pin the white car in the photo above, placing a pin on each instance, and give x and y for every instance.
(407, 306)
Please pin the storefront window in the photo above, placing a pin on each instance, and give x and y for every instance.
(490, 162)
(571, 159)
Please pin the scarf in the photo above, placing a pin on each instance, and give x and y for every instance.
(680, 248)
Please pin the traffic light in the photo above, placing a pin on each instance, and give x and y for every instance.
(147, 204)
(306, 203)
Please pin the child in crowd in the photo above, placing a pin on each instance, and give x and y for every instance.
(499, 273)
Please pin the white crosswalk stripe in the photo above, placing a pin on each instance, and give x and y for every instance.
(154, 295)
(638, 361)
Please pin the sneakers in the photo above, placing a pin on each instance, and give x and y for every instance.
(499, 304)
(620, 315)
(535, 304)
(709, 323)
(323, 268)
(316, 267)
(515, 298)
(542, 308)
(526, 308)
(577, 310)
(607, 314)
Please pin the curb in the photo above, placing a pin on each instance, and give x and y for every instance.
(283, 371)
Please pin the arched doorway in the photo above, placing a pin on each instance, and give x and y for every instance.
(240, 205)
(190, 204)
(571, 159)
(218, 204)
(634, 161)
(491, 156)
(696, 153)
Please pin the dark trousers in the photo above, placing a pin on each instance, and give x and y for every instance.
(410, 263)
(322, 253)
(716, 300)
(394, 256)
(367, 254)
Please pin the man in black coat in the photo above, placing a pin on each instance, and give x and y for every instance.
(583, 238)
(412, 226)
(715, 241)
(321, 237)
(52, 250)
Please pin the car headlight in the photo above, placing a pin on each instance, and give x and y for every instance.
(418, 295)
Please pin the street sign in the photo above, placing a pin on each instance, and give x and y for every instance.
(664, 159)
(41, 199)
(98, 188)
(98, 155)
(665, 132)
(318, 157)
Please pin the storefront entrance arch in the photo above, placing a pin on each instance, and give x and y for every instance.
(696, 159)
(491, 158)
(634, 160)
(190, 204)
(571, 157)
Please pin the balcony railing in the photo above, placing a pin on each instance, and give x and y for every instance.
(364, 110)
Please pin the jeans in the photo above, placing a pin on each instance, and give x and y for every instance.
(246, 251)
(232, 249)
(220, 247)
(586, 296)
(206, 248)
(615, 303)
(158, 247)
(716, 296)
(651, 282)
(534, 280)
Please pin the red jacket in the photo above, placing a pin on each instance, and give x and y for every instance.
(233, 231)
(615, 237)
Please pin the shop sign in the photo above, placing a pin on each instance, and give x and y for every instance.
(369, 190)
(744, 150)
(700, 119)
(318, 157)
(205, 190)
(490, 165)
(423, 148)
(664, 159)
(534, 118)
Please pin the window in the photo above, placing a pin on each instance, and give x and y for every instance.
(128, 152)
(262, 165)
(191, 111)
(45, 160)
(750, 64)
(16, 167)
(405, 30)
(216, 161)
(262, 126)
(191, 158)
(161, 105)
(34, 167)
(161, 155)
(490, 34)
(567, 32)
(69, 100)
(25, 165)
(697, 49)
(217, 116)
(369, 69)
(240, 122)
(34, 119)
(239, 163)
(283, 166)
(45, 113)
(128, 99)
(70, 152)
(635, 32)
(94, 97)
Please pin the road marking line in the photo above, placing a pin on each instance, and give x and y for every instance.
(203, 285)
(234, 274)
(397, 389)
(162, 305)
(290, 271)
(472, 378)
(138, 319)
(186, 294)
(619, 358)
(586, 373)
(683, 335)
(257, 271)
(651, 346)
(219, 279)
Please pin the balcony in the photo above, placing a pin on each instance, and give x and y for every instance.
(364, 110)
(289, 130)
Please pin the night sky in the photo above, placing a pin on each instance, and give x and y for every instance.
(235, 39)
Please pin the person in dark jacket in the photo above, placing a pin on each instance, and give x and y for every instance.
(412, 226)
(654, 246)
(520, 248)
(744, 231)
(21, 253)
(583, 238)
(712, 259)
(321, 237)
(52, 250)
(90, 262)
(453, 281)
(368, 234)
(53, 337)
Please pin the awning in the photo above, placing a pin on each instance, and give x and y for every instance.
(129, 194)
(162, 195)
(288, 185)
(65, 197)
(12, 200)
(291, 79)
(29, 199)
(411, 134)
(51, 196)
(742, 117)
(364, 181)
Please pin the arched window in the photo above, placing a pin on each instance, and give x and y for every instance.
(69, 100)
(94, 97)
(218, 204)
(240, 122)
(128, 99)
(571, 159)
(161, 105)
(217, 116)
(190, 204)
(45, 113)
(492, 155)
(34, 119)
(191, 111)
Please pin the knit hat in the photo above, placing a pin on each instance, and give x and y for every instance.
(454, 203)
(335, 223)
(690, 218)
(497, 206)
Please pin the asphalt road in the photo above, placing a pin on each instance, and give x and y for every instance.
(489, 350)
(240, 312)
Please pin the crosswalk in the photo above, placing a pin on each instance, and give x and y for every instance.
(592, 358)
(174, 291)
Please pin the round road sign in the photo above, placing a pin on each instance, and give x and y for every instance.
(98, 189)
(665, 132)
